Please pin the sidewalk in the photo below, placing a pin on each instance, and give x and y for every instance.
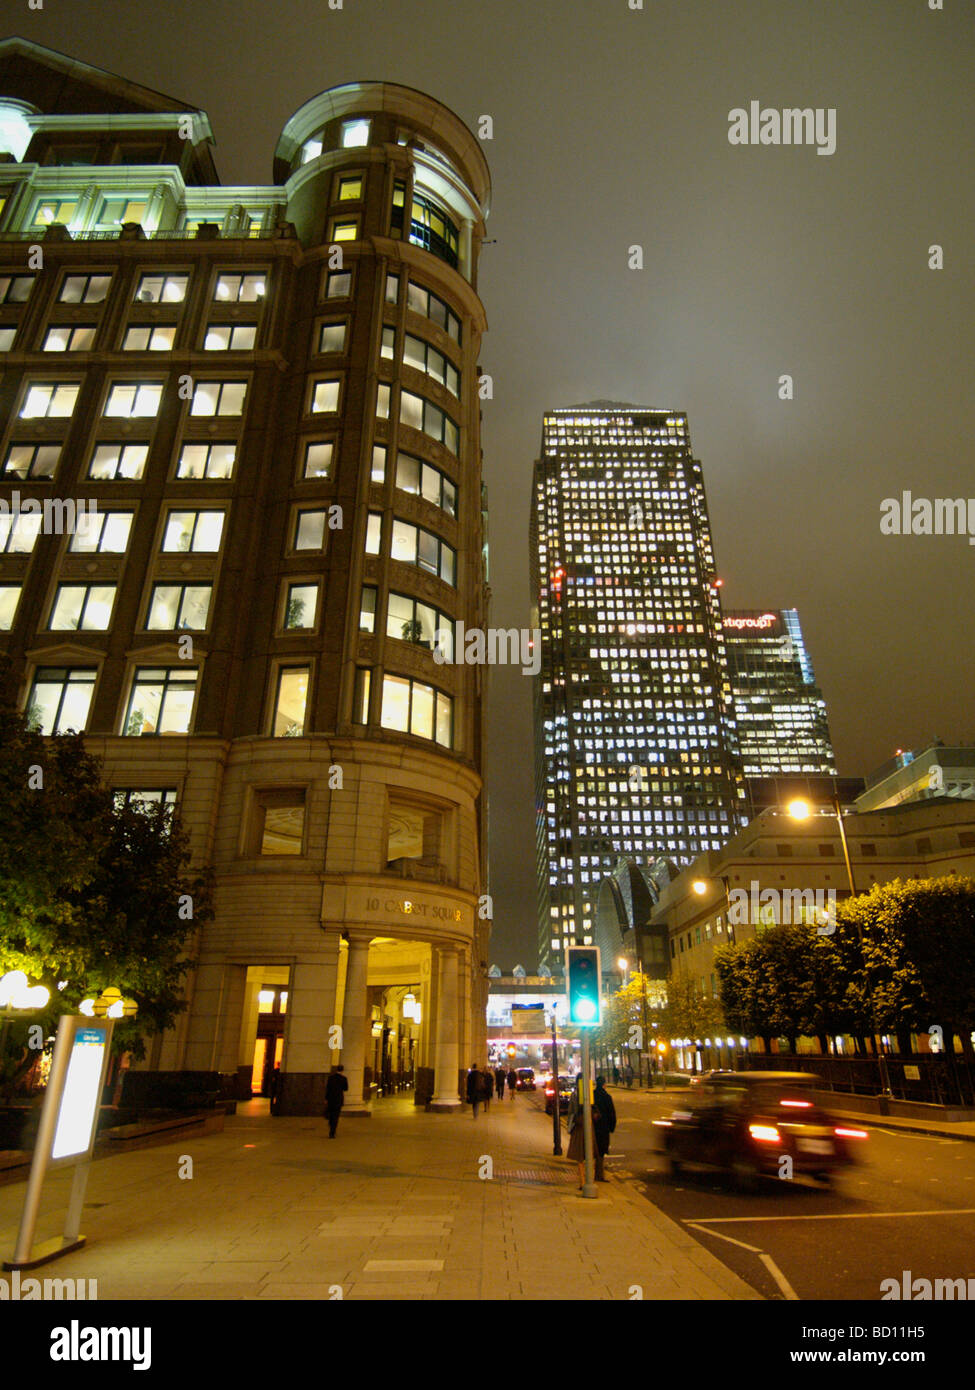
(393, 1208)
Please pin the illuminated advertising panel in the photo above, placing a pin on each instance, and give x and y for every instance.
(80, 1098)
(528, 1018)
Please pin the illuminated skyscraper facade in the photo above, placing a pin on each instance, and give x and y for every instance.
(779, 709)
(634, 731)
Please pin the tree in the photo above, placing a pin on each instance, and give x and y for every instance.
(91, 894)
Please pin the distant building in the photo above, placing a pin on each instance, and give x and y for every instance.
(780, 712)
(634, 732)
(933, 772)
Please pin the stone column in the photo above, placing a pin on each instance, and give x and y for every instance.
(354, 1029)
(203, 1035)
(445, 1095)
(311, 1012)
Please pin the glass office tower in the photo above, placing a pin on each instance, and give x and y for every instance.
(636, 751)
(779, 709)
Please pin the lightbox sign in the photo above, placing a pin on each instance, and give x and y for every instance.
(82, 1093)
(528, 1018)
(752, 624)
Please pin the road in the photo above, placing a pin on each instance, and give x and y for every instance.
(910, 1205)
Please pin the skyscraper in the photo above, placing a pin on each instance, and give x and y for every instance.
(270, 394)
(634, 729)
(779, 710)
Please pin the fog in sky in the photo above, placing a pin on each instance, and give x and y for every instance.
(611, 130)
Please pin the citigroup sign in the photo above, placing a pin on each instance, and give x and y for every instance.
(756, 624)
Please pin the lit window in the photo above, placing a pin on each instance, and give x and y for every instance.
(70, 338)
(218, 398)
(114, 212)
(290, 702)
(19, 532)
(161, 701)
(160, 801)
(239, 289)
(354, 133)
(350, 189)
(15, 289)
(31, 460)
(415, 708)
(332, 337)
(367, 609)
(60, 699)
(382, 401)
(325, 397)
(85, 289)
(9, 598)
(388, 348)
(229, 337)
(374, 526)
(301, 606)
(50, 400)
(82, 607)
(193, 531)
(347, 230)
(339, 284)
(423, 415)
(7, 335)
(310, 530)
(318, 459)
(280, 829)
(210, 461)
(133, 399)
(360, 699)
(53, 210)
(105, 533)
(392, 289)
(118, 462)
(424, 302)
(162, 289)
(378, 474)
(149, 338)
(175, 606)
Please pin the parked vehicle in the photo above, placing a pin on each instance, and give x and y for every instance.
(526, 1079)
(747, 1123)
(566, 1087)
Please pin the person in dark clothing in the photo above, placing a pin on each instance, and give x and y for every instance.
(512, 1082)
(500, 1077)
(487, 1087)
(603, 1121)
(335, 1089)
(475, 1088)
(616, 1075)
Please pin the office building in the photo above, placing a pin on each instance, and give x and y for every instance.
(634, 729)
(779, 710)
(270, 395)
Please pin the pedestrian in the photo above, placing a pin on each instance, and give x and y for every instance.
(487, 1086)
(512, 1081)
(335, 1089)
(475, 1084)
(629, 1076)
(500, 1077)
(616, 1075)
(577, 1140)
(604, 1122)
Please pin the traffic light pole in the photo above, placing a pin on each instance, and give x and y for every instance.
(589, 1186)
(556, 1114)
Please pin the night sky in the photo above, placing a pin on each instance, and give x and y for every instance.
(611, 129)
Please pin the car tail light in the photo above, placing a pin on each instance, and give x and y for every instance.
(797, 1104)
(850, 1133)
(768, 1134)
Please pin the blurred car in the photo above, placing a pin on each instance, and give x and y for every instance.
(746, 1123)
(566, 1087)
(704, 1077)
(526, 1079)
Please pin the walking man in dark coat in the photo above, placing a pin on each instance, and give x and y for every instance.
(512, 1081)
(500, 1077)
(603, 1123)
(335, 1089)
(475, 1084)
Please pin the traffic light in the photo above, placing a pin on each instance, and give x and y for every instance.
(583, 981)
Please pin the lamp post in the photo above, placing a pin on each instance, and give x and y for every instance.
(800, 810)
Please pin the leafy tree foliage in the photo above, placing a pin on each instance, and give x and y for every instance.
(91, 894)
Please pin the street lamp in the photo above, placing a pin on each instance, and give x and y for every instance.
(800, 810)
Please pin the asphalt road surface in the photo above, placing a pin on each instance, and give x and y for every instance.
(908, 1205)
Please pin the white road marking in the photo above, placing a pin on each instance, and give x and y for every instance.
(766, 1260)
(833, 1216)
